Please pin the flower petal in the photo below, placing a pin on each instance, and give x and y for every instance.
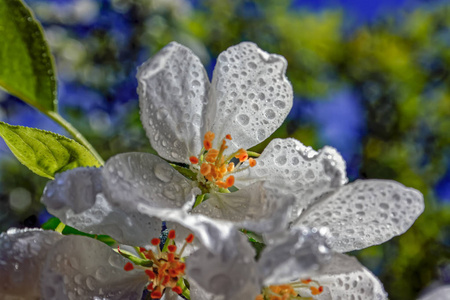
(302, 171)
(438, 293)
(252, 94)
(365, 213)
(76, 188)
(22, 252)
(345, 278)
(173, 89)
(290, 256)
(230, 274)
(257, 207)
(143, 178)
(125, 226)
(80, 267)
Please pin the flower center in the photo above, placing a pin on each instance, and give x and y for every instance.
(214, 169)
(299, 290)
(164, 268)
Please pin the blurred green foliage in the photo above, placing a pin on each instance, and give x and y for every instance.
(399, 68)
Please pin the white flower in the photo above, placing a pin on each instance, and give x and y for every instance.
(37, 264)
(298, 263)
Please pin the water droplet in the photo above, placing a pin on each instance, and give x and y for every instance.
(310, 175)
(270, 114)
(384, 206)
(252, 65)
(281, 160)
(161, 114)
(243, 119)
(90, 282)
(101, 274)
(261, 134)
(163, 172)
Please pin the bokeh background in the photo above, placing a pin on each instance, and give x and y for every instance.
(371, 78)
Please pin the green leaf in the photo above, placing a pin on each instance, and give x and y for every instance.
(44, 152)
(26, 64)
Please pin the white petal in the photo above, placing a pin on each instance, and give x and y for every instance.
(76, 188)
(256, 207)
(302, 171)
(198, 293)
(173, 90)
(22, 253)
(78, 267)
(125, 226)
(231, 274)
(212, 234)
(439, 293)
(252, 94)
(130, 179)
(298, 253)
(365, 213)
(345, 278)
(170, 295)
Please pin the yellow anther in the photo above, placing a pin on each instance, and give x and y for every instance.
(252, 162)
(209, 136)
(230, 167)
(205, 169)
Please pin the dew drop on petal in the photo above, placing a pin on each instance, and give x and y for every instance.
(163, 172)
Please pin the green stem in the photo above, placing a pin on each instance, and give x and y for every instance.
(253, 154)
(74, 132)
(60, 227)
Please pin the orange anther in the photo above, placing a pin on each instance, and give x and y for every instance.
(207, 144)
(306, 281)
(316, 291)
(150, 286)
(205, 169)
(156, 295)
(221, 184)
(242, 155)
(171, 234)
(172, 248)
(181, 267)
(150, 274)
(155, 242)
(230, 167)
(128, 266)
(142, 249)
(209, 136)
(177, 290)
(211, 155)
(193, 160)
(223, 169)
(170, 257)
(228, 137)
(190, 238)
(166, 280)
(259, 297)
(252, 162)
(230, 181)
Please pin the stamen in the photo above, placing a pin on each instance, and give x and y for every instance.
(316, 291)
(230, 181)
(242, 155)
(211, 155)
(252, 162)
(128, 266)
(205, 169)
(190, 238)
(172, 248)
(177, 290)
(156, 294)
(150, 274)
(171, 235)
(228, 137)
(193, 160)
(155, 242)
(230, 167)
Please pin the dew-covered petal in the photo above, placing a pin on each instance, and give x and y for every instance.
(199, 293)
(438, 293)
(305, 173)
(22, 253)
(230, 274)
(211, 234)
(173, 90)
(129, 227)
(345, 278)
(76, 188)
(170, 295)
(365, 213)
(289, 256)
(78, 267)
(258, 207)
(252, 94)
(130, 179)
